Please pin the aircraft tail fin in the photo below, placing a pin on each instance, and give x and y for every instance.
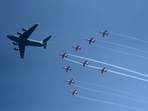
(45, 41)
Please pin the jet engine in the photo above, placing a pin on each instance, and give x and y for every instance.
(16, 49)
(14, 43)
(23, 29)
(19, 33)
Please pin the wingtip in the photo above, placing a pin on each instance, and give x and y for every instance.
(37, 24)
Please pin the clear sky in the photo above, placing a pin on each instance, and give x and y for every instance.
(38, 82)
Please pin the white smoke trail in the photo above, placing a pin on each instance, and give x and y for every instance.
(107, 102)
(112, 89)
(118, 73)
(94, 67)
(102, 87)
(115, 66)
(73, 61)
(129, 37)
(121, 51)
(117, 95)
(135, 49)
(123, 74)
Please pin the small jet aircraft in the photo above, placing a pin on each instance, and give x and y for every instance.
(103, 70)
(84, 63)
(91, 40)
(77, 47)
(104, 33)
(63, 55)
(74, 92)
(22, 40)
(71, 81)
(67, 68)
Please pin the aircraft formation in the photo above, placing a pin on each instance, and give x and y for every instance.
(22, 40)
(83, 63)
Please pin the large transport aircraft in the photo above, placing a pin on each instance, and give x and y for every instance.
(22, 40)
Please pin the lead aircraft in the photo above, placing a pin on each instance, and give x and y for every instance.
(22, 40)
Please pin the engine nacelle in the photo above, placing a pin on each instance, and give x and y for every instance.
(19, 33)
(23, 29)
(16, 49)
(14, 43)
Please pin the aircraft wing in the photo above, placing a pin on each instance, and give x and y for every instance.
(22, 50)
(28, 32)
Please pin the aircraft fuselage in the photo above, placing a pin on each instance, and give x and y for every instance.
(24, 41)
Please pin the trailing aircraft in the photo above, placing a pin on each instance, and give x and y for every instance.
(77, 47)
(104, 33)
(74, 92)
(85, 63)
(103, 70)
(22, 40)
(63, 55)
(67, 68)
(91, 40)
(71, 81)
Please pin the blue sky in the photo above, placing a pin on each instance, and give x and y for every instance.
(38, 82)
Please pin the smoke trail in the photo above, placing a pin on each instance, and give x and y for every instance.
(94, 67)
(106, 102)
(121, 51)
(102, 87)
(123, 74)
(103, 92)
(80, 63)
(123, 92)
(115, 66)
(72, 61)
(130, 37)
(135, 49)
(118, 73)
